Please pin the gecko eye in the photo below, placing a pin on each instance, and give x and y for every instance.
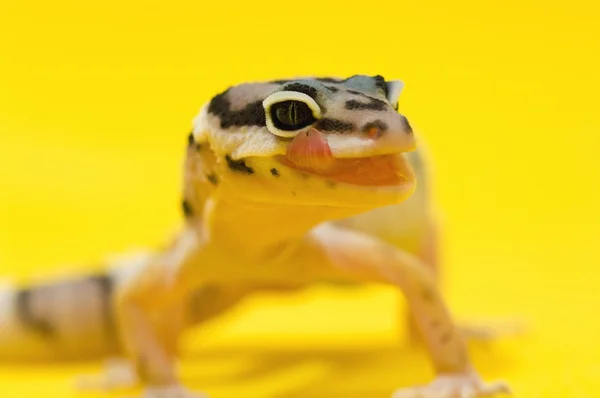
(289, 112)
(291, 115)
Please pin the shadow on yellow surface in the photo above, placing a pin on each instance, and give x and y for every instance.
(96, 102)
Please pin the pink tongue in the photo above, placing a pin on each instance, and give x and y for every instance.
(309, 151)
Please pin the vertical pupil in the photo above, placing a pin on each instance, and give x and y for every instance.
(291, 115)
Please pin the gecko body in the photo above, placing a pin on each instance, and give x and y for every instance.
(286, 183)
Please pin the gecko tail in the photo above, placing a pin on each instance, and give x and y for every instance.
(15, 341)
(64, 319)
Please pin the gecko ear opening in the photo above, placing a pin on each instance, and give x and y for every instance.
(394, 88)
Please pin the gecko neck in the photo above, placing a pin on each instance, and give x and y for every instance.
(254, 226)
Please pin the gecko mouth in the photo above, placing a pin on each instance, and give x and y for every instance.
(309, 152)
(373, 171)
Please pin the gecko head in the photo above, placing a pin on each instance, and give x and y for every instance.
(311, 141)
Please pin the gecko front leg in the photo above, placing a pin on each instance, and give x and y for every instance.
(429, 256)
(150, 316)
(369, 259)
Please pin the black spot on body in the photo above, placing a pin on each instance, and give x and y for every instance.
(281, 81)
(332, 89)
(26, 316)
(378, 124)
(302, 88)
(238, 166)
(252, 114)
(435, 324)
(327, 124)
(213, 179)
(192, 142)
(427, 294)
(331, 184)
(445, 337)
(275, 172)
(374, 104)
(187, 208)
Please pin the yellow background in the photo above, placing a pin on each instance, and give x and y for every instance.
(96, 100)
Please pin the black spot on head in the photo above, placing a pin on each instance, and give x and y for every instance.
(213, 179)
(302, 88)
(374, 104)
(327, 124)
(252, 114)
(380, 83)
(378, 124)
(358, 93)
(187, 208)
(329, 80)
(238, 165)
(332, 89)
(275, 172)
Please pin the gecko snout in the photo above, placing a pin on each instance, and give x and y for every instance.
(398, 136)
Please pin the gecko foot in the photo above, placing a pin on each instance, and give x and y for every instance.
(175, 391)
(118, 374)
(455, 386)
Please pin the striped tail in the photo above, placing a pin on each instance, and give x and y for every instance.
(65, 319)
(73, 318)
